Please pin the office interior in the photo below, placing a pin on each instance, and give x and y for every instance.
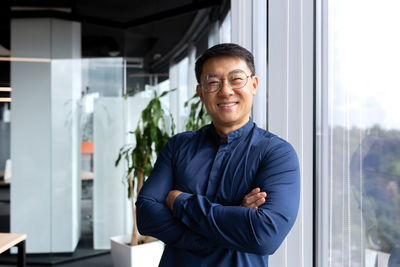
(75, 76)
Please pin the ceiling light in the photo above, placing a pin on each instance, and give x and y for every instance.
(31, 8)
(156, 56)
(113, 53)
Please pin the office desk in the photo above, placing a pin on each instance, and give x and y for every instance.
(9, 240)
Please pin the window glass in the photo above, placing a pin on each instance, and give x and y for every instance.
(225, 30)
(179, 79)
(362, 148)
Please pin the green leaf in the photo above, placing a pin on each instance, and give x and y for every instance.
(167, 92)
(158, 112)
(118, 159)
(153, 135)
(146, 113)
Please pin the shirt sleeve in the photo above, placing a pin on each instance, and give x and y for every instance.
(254, 231)
(155, 219)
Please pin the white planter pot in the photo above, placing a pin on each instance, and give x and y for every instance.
(144, 255)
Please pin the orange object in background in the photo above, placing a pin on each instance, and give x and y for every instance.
(87, 147)
(87, 160)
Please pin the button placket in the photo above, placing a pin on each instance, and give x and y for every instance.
(215, 171)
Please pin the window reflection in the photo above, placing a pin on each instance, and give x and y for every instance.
(376, 161)
(363, 142)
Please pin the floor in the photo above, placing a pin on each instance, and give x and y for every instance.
(83, 256)
(98, 261)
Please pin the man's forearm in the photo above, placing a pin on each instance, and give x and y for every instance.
(233, 227)
(155, 219)
(258, 231)
(252, 200)
(170, 199)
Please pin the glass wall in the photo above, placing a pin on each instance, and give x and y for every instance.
(45, 156)
(360, 144)
(82, 124)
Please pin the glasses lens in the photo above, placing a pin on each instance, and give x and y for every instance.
(237, 79)
(212, 83)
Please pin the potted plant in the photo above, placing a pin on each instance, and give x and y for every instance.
(151, 134)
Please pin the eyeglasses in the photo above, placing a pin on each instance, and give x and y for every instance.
(237, 79)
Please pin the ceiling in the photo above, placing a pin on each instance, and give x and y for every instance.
(149, 29)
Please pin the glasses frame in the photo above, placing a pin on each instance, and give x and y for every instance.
(220, 85)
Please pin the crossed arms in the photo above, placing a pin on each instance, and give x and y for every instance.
(193, 222)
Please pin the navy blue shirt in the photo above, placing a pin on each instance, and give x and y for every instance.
(207, 226)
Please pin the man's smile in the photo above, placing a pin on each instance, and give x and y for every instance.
(228, 104)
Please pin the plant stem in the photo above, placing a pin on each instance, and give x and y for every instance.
(135, 232)
(140, 176)
(140, 173)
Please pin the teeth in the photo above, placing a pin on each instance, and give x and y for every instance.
(227, 105)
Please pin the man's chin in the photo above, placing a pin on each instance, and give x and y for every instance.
(226, 122)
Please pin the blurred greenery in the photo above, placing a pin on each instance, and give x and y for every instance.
(198, 116)
(87, 128)
(367, 160)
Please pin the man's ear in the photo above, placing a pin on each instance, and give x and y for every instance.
(254, 85)
(200, 92)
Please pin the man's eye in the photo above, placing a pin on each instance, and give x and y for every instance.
(213, 83)
(236, 81)
(236, 78)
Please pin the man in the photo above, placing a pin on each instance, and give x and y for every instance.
(227, 194)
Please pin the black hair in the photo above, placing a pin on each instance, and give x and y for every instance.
(227, 49)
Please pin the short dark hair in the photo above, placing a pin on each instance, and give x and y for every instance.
(227, 49)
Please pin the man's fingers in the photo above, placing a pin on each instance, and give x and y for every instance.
(170, 199)
(247, 198)
(257, 204)
(254, 191)
(253, 198)
(260, 201)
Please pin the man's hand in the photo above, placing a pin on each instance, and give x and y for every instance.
(254, 199)
(170, 199)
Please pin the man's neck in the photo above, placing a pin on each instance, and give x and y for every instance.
(223, 131)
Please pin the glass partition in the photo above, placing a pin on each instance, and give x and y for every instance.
(45, 184)
(82, 122)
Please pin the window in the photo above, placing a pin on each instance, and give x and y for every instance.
(360, 142)
(225, 30)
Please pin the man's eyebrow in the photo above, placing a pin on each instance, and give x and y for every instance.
(236, 71)
(211, 75)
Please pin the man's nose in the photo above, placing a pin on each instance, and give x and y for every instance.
(226, 88)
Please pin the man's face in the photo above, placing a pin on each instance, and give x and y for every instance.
(229, 108)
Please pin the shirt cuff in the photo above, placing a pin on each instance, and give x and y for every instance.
(177, 208)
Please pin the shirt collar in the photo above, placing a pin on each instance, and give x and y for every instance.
(243, 131)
